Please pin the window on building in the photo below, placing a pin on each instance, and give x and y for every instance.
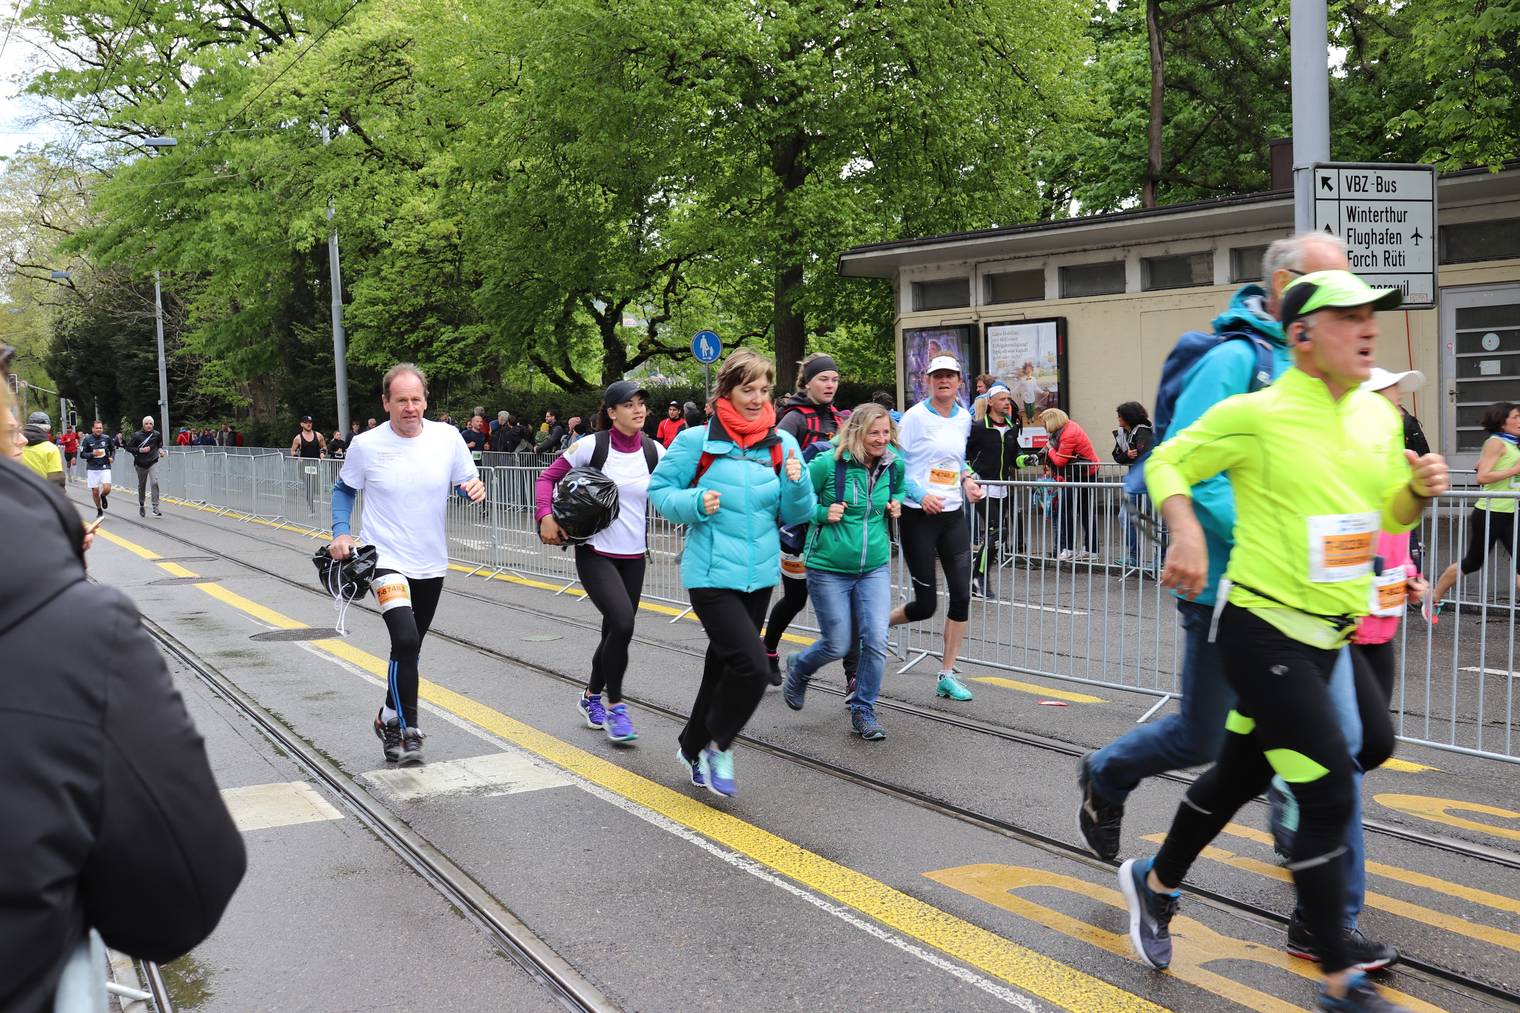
(943, 294)
(1015, 286)
(1245, 263)
(1186, 270)
(1080, 280)
(1471, 241)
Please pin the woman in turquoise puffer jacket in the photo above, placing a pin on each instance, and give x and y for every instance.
(730, 482)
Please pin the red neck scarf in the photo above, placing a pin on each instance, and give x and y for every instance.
(742, 431)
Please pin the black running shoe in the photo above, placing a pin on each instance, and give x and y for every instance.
(389, 734)
(142, 511)
(1360, 997)
(105, 502)
(411, 748)
(1098, 819)
(774, 660)
(1366, 954)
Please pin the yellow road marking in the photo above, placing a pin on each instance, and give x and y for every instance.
(1197, 944)
(1393, 905)
(1498, 902)
(1406, 766)
(1046, 691)
(174, 569)
(971, 944)
(1440, 811)
(132, 547)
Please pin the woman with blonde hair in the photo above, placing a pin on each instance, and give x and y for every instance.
(848, 558)
(1072, 458)
(731, 482)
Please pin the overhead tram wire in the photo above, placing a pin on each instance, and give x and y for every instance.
(9, 29)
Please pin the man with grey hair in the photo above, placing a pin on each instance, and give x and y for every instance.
(1194, 734)
(146, 446)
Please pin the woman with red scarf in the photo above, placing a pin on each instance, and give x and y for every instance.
(730, 482)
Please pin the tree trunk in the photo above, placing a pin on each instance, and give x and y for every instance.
(1158, 91)
(789, 325)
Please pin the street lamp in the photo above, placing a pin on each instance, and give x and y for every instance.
(160, 144)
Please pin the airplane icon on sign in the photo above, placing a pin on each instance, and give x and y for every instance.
(1416, 237)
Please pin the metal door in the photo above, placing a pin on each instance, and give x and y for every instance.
(1480, 362)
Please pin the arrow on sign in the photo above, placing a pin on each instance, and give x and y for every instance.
(1328, 229)
(1325, 184)
(1416, 237)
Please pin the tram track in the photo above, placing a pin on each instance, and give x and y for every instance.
(1432, 973)
(511, 936)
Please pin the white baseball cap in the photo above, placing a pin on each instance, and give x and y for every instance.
(940, 362)
(1382, 379)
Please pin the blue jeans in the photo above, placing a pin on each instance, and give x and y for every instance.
(1131, 536)
(1189, 738)
(1343, 696)
(843, 604)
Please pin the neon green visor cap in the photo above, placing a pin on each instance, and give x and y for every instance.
(1323, 289)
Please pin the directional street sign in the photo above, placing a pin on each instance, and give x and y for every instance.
(1387, 216)
(706, 346)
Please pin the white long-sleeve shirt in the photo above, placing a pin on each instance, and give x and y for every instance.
(935, 450)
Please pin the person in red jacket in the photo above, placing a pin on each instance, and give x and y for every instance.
(671, 424)
(184, 438)
(1071, 458)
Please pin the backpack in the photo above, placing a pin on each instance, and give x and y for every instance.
(1179, 363)
(813, 422)
(602, 446)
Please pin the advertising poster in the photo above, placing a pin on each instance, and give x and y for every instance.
(1030, 357)
(921, 344)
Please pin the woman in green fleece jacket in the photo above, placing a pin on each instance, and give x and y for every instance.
(848, 560)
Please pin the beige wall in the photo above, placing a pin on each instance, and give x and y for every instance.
(1117, 343)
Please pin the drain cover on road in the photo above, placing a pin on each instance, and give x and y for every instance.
(302, 633)
(174, 581)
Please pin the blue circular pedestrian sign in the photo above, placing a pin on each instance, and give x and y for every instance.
(706, 346)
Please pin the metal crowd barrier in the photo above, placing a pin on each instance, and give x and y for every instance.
(1065, 585)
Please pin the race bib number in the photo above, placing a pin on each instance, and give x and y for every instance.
(97, 452)
(1389, 593)
(1340, 546)
(311, 469)
(792, 565)
(393, 592)
(476, 455)
(944, 477)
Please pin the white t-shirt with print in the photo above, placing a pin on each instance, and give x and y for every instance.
(407, 482)
(626, 535)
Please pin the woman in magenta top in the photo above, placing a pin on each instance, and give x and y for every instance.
(610, 565)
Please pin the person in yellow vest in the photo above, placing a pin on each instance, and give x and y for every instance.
(42, 454)
(1492, 519)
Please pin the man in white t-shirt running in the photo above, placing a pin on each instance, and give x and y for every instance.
(407, 469)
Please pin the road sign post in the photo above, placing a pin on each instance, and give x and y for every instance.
(706, 347)
(1386, 214)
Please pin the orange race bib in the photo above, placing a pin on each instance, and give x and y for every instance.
(1389, 592)
(1341, 546)
(792, 565)
(393, 592)
(942, 476)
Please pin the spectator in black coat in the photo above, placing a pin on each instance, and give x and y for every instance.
(109, 818)
(554, 436)
(1132, 440)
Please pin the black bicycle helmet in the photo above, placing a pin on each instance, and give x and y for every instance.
(347, 579)
(585, 502)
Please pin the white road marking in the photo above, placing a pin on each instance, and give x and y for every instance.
(1492, 671)
(506, 773)
(284, 804)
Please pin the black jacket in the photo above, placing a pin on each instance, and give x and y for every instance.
(1414, 436)
(1140, 439)
(807, 421)
(551, 441)
(991, 454)
(140, 439)
(109, 816)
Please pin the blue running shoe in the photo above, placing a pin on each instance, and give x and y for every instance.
(866, 727)
(795, 687)
(1360, 997)
(592, 710)
(718, 771)
(692, 767)
(1150, 913)
(619, 728)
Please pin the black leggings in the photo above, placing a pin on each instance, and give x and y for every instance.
(793, 598)
(614, 585)
(407, 626)
(1284, 709)
(734, 673)
(943, 536)
(1485, 529)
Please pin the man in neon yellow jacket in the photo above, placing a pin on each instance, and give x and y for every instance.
(1318, 467)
